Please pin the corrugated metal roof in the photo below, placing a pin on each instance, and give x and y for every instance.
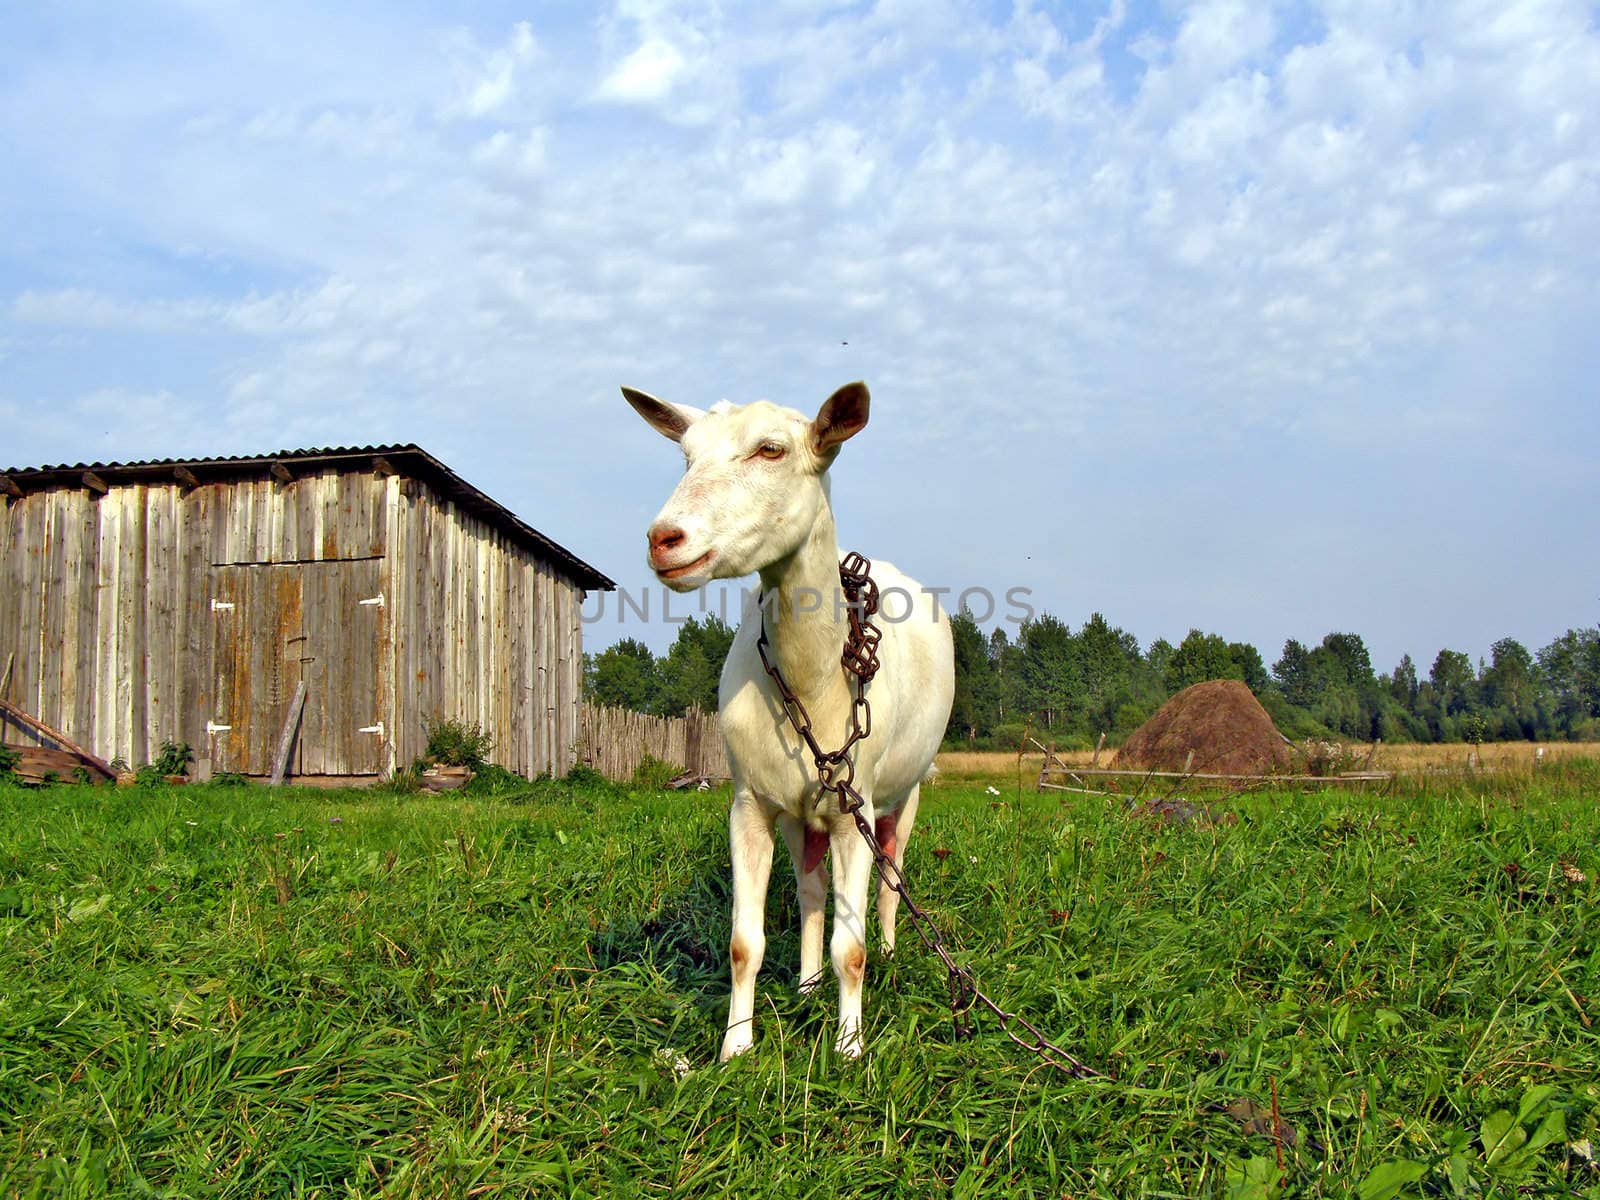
(407, 460)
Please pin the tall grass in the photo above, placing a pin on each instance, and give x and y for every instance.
(241, 992)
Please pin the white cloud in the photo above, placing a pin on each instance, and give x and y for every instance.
(646, 75)
(1218, 35)
(489, 78)
(1221, 130)
(519, 156)
(829, 164)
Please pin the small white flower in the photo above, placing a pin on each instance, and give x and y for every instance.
(972, 858)
(674, 1061)
(993, 791)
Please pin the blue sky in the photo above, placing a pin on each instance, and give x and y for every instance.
(1268, 319)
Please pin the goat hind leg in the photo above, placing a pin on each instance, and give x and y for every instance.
(894, 831)
(812, 889)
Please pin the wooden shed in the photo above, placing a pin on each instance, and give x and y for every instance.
(186, 601)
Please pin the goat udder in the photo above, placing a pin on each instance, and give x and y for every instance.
(883, 830)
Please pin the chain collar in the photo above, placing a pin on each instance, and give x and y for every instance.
(836, 769)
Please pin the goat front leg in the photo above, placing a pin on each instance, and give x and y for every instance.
(750, 843)
(852, 872)
(805, 847)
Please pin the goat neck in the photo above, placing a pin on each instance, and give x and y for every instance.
(804, 616)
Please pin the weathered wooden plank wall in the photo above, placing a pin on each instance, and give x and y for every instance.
(106, 603)
(88, 608)
(110, 617)
(482, 633)
(614, 741)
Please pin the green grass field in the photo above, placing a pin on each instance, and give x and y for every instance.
(213, 991)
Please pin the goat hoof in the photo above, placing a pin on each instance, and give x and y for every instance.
(738, 1038)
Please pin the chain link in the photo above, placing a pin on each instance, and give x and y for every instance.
(836, 775)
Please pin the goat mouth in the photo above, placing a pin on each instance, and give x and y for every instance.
(692, 568)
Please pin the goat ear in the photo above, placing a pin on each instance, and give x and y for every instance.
(669, 420)
(842, 416)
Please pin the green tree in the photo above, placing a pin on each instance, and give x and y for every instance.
(1569, 669)
(1294, 676)
(1052, 684)
(1403, 683)
(1347, 654)
(1351, 701)
(1199, 657)
(1334, 684)
(1005, 664)
(1455, 683)
(1508, 681)
(1157, 659)
(1251, 667)
(974, 710)
(624, 675)
(1109, 664)
(690, 672)
(1509, 687)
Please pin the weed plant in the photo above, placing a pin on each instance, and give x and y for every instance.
(454, 743)
(653, 774)
(250, 992)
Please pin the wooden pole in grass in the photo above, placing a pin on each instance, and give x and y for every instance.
(291, 723)
(5, 682)
(29, 721)
(1021, 746)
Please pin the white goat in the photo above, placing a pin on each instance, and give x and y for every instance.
(754, 498)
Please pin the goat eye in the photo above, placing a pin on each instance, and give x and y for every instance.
(770, 451)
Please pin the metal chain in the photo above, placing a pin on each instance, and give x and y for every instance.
(836, 775)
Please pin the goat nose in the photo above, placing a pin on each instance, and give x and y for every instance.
(664, 539)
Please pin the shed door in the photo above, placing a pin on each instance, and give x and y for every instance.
(279, 623)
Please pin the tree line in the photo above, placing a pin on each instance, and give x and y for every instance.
(1073, 685)
(1078, 684)
(627, 675)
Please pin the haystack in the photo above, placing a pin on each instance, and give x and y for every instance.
(1224, 725)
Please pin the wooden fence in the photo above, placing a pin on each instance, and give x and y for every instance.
(614, 741)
